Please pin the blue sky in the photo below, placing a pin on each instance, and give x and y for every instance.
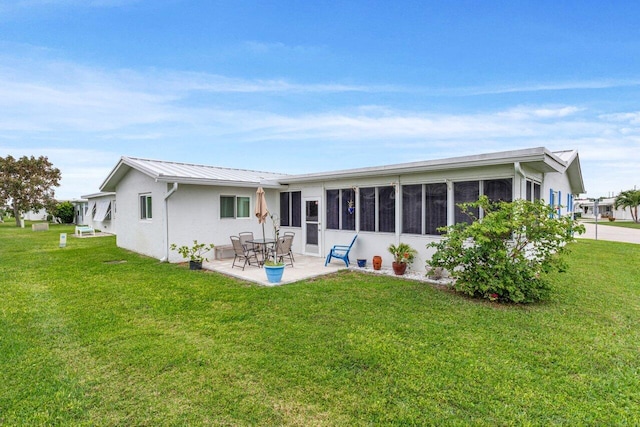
(301, 86)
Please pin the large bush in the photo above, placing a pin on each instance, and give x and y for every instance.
(503, 255)
(65, 211)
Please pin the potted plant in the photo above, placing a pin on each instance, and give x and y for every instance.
(274, 270)
(403, 255)
(273, 267)
(195, 253)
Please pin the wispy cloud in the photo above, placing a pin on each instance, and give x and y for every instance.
(67, 104)
(190, 81)
(541, 87)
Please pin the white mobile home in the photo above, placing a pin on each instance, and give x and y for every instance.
(101, 211)
(160, 203)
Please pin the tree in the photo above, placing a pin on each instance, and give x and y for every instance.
(629, 199)
(502, 257)
(27, 183)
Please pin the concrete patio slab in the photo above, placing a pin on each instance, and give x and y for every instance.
(304, 267)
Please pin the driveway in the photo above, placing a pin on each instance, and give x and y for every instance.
(611, 233)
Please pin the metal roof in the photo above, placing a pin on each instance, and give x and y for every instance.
(539, 158)
(188, 173)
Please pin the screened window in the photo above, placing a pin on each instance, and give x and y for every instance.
(436, 203)
(235, 207)
(387, 209)
(348, 209)
(291, 209)
(465, 192)
(412, 209)
(368, 209)
(533, 191)
(296, 209)
(146, 207)
(499, 190)
(333, 209)
(284, 209)
(341, 213)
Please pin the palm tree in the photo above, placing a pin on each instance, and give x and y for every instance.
(629, 199)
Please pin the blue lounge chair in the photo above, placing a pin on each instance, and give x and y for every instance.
(341, 252)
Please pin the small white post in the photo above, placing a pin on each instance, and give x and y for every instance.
(63, 240)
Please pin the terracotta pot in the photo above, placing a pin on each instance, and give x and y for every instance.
(399, 268)
(377, 262)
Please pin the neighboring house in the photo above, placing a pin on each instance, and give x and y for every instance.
(160, 203)
(101, 211)
(606, 209)
(80, 208)
(39, 215)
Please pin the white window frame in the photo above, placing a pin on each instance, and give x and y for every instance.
(146, 214)
(235, 206)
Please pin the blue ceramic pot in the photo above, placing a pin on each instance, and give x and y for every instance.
(274, 273)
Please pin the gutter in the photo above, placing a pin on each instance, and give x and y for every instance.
(166, 220)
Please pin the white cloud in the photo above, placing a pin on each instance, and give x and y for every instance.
(545, 87)
(632, 118)
(55, 104)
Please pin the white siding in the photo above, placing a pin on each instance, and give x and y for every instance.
(142, 236)
(194, 214)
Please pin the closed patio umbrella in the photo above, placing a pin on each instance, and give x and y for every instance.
(262, 211)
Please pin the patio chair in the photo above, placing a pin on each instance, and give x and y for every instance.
(242, 253)
(245, 237)
(340, 252)
(292, 234)
(283, 249)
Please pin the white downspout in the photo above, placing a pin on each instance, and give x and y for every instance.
(166, 220)
(523, 181)
(396, 188)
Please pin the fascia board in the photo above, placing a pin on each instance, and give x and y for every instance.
(541, 158)
(217, 182)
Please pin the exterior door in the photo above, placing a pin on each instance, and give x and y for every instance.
(312, 226)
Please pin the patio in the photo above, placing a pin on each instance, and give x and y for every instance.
(304, 267)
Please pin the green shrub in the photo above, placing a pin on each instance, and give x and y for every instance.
(64, 211)
(503, 256)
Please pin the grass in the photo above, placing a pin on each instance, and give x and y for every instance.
(624, 224)
(95, 335)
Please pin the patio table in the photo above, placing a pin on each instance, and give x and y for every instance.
(264, 245)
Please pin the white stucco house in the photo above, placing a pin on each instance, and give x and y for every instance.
(99, 212)
(35, 215)
(606, 209)
(160, 202)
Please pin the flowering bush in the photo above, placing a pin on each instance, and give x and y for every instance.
(502, 257)
(402, 253)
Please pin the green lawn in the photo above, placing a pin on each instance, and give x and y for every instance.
(625, 224)
(94, 335)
